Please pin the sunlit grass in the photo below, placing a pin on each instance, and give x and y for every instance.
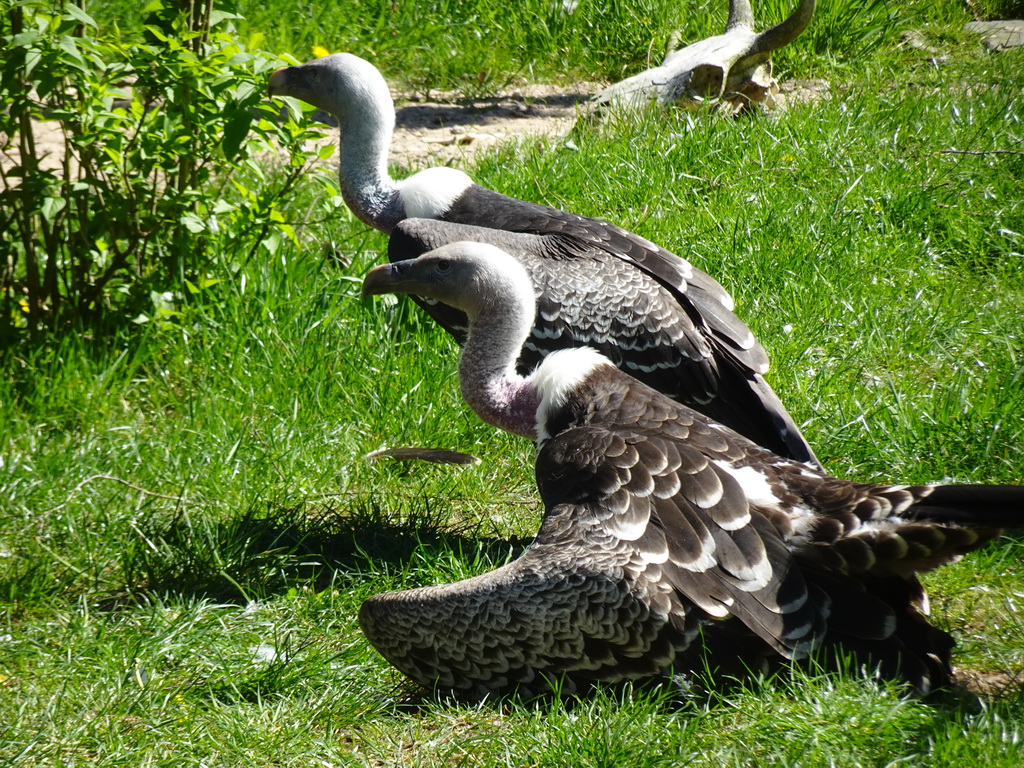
(188, 526)
(475, 46)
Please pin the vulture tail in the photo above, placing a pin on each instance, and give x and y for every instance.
(997, 506)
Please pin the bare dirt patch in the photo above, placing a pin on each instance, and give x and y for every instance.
(981, 683)
(49, 142)
(439, 130)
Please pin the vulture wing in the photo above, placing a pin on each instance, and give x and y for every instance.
(686, 522)
(647, 325)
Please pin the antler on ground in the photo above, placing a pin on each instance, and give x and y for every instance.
(732, 69)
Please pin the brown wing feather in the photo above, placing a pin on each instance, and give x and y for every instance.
(716, 561)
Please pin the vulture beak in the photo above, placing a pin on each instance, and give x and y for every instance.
(277, 85)
(385, 278)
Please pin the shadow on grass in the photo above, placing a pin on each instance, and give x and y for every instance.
(796, 716)
(266, 550)
(270, 548)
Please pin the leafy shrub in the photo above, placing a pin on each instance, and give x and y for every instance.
(159, 176)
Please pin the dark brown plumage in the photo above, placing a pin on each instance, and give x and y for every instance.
(666, 538)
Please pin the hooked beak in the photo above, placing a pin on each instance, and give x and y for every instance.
(386, 278)
(277, 85)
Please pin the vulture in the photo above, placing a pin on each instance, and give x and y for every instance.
(649, 311)
(668, 541)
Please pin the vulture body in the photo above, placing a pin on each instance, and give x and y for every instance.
(648, 310)
(668, 540)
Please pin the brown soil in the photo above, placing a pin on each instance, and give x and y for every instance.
(445, 129)
(987, 683)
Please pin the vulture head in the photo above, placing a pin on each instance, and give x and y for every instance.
(476, 278)
(497, 295)
(341, 84)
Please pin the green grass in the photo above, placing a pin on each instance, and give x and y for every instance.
(199, 609)
(475, 46)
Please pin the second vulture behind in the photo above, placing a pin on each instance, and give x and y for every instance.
(649, 311)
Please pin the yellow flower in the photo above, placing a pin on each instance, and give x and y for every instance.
(319, 51)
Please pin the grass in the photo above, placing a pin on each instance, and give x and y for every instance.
(187, 527)
(475, 46)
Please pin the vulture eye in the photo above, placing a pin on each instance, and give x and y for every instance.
(444, 266)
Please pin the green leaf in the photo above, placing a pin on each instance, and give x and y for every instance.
(67, 44)
(218, 16)
(79, 14)
(52, 206)
(289, 231)
(32, 58)
(244, 90)
(156, 32)
(23, 40)
(235, 131)
(193, 223)
(272, 242)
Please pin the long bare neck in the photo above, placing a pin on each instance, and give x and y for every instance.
(367, 187)
(487, 369)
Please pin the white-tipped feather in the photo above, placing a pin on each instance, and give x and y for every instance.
(754, 484)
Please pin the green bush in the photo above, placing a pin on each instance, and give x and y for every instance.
(158, 183)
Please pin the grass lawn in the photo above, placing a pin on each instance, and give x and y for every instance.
(188, 527)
